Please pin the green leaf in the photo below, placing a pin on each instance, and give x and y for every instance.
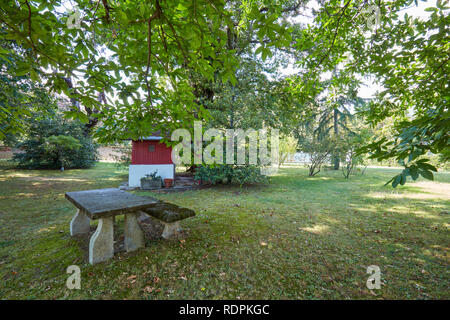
(426, 174)
(396, 180)
(414, 173)
(427, 166)
(181, 7)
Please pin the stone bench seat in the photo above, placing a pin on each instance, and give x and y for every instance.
(170, 215)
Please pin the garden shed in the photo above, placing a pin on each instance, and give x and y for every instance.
(148, 155)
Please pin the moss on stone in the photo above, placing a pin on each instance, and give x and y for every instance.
(168, 212)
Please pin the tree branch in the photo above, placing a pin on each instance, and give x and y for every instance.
(155, 15)
(107, 8)
(335, 34)
(29, 18)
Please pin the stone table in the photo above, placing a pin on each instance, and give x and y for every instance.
(104, 204)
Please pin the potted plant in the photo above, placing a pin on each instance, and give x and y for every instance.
(168, 183)
(151, 181)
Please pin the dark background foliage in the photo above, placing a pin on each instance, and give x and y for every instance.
(35, 156)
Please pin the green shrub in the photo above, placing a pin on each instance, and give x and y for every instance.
(319, 151)
(39, 149)
(230, 174)
(61, 146)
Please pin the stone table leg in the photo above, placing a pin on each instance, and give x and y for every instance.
(171, 229)
(134, 237)
(80, 223)
(101, 246)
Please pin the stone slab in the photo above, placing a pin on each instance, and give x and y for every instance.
(134, 237)
(80, 223)
(168, 212)
(108, 202)
(101, 245)
(171, 230)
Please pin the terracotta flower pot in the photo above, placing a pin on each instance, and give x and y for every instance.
(168, 183)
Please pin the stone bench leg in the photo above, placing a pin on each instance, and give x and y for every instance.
(134, 237)
(171, 229)
(80, 223)
(101, 245)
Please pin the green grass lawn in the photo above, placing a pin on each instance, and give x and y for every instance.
(297, 238)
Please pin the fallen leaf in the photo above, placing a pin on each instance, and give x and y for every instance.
(148, 289)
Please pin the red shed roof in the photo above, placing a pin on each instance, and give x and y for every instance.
(154, 136)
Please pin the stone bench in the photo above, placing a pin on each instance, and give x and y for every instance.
(170, 215)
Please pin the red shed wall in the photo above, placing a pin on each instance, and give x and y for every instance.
(141, 155)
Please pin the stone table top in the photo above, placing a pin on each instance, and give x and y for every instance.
(101, 203)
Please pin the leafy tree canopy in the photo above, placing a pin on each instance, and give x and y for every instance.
(407, 56)
(20, 97)
(144, 54)
(136, 65)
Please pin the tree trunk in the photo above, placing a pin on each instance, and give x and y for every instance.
(336, 133)
(93, 121)
(232, 109)
(231, 44)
